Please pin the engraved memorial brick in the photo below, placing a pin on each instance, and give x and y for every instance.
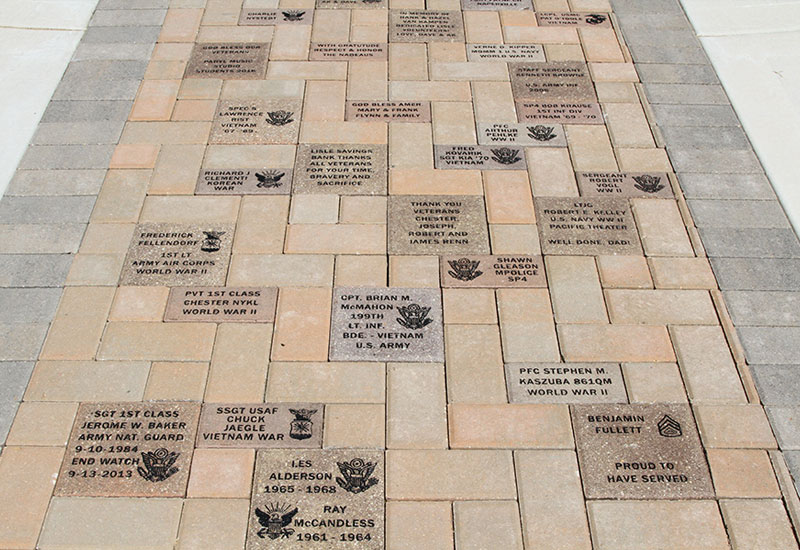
(551, 81)
(640, 452)
(492, 271)
(479, 157)
(352, 4)
(337, 51)
(565, 383)
(234, 60)
(586, 226)
(340, 169)
(559, 113)
(572, 19)
(129, 449)
(261, 425)
(505, 52)
(625, 184)
(257, 16)
(244, 181)
(494, 5)
(220, 304)
(256, 121)
(520, 134)
(386, 324)
(389, 111)
(425, 26)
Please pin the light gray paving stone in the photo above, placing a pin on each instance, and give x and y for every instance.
(689, 94)
(91, 133)
(131, 35)
(698, 137)
(126, 18)
(132, 4)
(673, 73)
(764, 308)
(785, 423)
(757, 274)
(771, 345)
(46, 209)
(654, 53)
(34, 270)
(69, 157)
(40, 238)
(106, 51)
(738, 214)
(696, 185)
(793, 462)
(21, 342)
(43, 183)
(101, 80)
(104, 69)
(86, 111)
(695, 115)
(723, 161)
(28, 305)
(14, 376)
(667, 38)
(729, 242)
(777, 384)
(649, 7)
(633, 20)
(7, 413)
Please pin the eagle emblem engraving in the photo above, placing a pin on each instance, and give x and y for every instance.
(414, 316)
(269, 178)
(211, 242)
(275, 520)
(541, 132)
(356, 475)
(301, 427)
(158, 465)
(279, 117)
(293, 15)
(464, 269)
(504, 155)
(648, 184)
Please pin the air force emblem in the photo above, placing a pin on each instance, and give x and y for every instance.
(211, 243)
(275, 520)
(357, 475)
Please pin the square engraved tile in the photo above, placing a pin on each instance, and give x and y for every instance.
(437, 224)
(496, 5)
(625, 184)
(478, 157)
(389, 111)
(244, 181)
(352, 4)
(521, 134)
(178, 255)
(586, 226)
(572, 19)
(561, 113)
(505, 52)
(341, 169)
(256, 121)
(336, 51)
(640, 452)
(220, 304)
(565, 383)
(551, 81)
(261, 425)
(386, 324)
(254, 16)
(317, 500)
(492, 271)
(234, 60)
(129, 449)
(425, 26)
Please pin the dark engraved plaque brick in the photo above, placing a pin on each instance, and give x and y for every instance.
(505, 52)
(261, 425)
(425, 26)
(389, 111)
(572, 19)
(640, 452)
(351, 4)
(560, 113)
(219, 304)
(129, 449)
(437, 224)
(244, 181)
(380, 324)
(479, 157)
(625, 184)
(178, 255)
(520, 134)
(234, 60)
(496, 5)
(256, 121)
(492, 271)
(586, 226)
(551, 81)
(337, 51)
(317, 500)
(565, 383)
(252, 16)
(340, 169)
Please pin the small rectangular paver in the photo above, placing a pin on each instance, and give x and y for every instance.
(425, 26)
(261, 425)
(228, 60)
(565, 383)
(221, 304)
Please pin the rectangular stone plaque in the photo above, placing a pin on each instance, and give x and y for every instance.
(256, 121)
(220, 304)
(386, 324)
(505, 52)
(317, 500)
(640, 452)
(586, 226)
(129, 450)
(529, 135)
(352, 4)
(178, 255)
(425, 26)
(253, 16)
(496, 5)
(261, 425)
(343, 169)
(478, 157)
(336, 51)
(234, 60)
(552, 81)
(560, 113)
(572, 19)
(389, 111)
(565, 383)
(437, 224)
(625, 184)
(244, 181)
(485, 271)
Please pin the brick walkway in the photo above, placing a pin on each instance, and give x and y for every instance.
(386, 274)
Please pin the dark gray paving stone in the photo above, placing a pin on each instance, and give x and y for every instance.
(777, 384)
(34, 270)
(725, 186)
(757, 274)
(21, 341)
(90, 133)
(86, 111)
(764, 308)
(785, 425)
(69, 157)
(771, 345)
(683, 37)
(729, 242)
(653, 53)
(101, 80)
(723, 161)
(633, 20)
(113, 35)
(738, 214)
(14, 376)
(695, 115)
(106, 51)
(649, 7)
(132, 4)
(698, 137)
(127, 18)
(28, 305)
(793, 462)
(63, 238)
(689, 94)
(42, 183)
(112, 70)
(673, 73)
(7, 413)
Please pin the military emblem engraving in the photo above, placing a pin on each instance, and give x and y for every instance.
(478, 157)
(212, 242)
(414, 316)
(596, 18)
(280, 117)
(648, 184)
(464, 269)
(541, 133)
(158, 465)
(302, 427)
(356, 475)
(275, 518)
(293, 15)
(504, 155)
(269, 178)
(669, 427)
(572, 19)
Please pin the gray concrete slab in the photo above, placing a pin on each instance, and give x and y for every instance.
(697, 185)
(723, 161)
(728, 242)
(695, 115)
(86, 111)
(69, 157)
(698, 137)
(764, 308)
(757, 273)
(771, 345)
(738, 214)
(42, 183)
(34, 270)
(63, 238)
(21, 342)
(777, 384)
(28, 305)
(14, 376)
(669, 73)
(786, 425)
(46, 210)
